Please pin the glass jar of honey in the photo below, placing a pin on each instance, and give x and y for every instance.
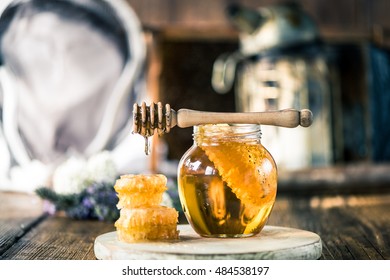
(227, 181)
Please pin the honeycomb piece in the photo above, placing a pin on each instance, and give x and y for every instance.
(140, 190)
(152, 233)
(238, 163)
(141, 183)
(147, 223)
(155, 215)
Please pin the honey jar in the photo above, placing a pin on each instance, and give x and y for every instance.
(227, 181)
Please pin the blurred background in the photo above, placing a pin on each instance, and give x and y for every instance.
(329, 56)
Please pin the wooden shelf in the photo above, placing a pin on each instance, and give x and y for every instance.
(354, 178)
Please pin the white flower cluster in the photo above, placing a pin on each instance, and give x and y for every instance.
(76, 174)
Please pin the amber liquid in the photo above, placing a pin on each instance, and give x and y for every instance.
(211, 206)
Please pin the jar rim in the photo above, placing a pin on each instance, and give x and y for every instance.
(230, 131)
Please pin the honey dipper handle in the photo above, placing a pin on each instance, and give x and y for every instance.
(284, 118)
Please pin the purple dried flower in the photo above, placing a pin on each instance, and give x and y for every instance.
(87, 202)
(97, 201)
(49, 207)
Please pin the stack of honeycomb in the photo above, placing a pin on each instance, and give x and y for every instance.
(141, 215)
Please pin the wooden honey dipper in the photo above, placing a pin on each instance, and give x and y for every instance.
(147, 119)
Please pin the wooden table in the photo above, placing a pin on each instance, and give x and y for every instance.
(351, 225)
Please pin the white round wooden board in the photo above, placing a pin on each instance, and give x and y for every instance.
(273, 243)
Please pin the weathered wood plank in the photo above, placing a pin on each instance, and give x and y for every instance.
(11, 230)
(59, 238)
(20, 205)
(19, 213)
(351, 226)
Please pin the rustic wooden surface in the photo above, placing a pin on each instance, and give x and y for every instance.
(27, 233)
(352, 225)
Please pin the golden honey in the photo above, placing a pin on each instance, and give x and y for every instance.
(227, 181)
